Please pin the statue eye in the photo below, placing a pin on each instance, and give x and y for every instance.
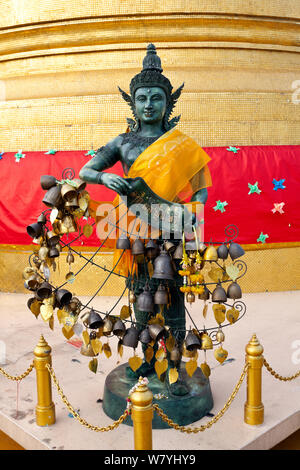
(141, 98)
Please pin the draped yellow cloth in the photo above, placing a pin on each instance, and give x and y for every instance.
(174, 167)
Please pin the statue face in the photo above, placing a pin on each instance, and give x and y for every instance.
(150, 104)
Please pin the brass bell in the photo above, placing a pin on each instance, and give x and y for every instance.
(44, 291)
(119, 328)
(206, 342)
(32, 282)
(108, 326)
(190, 297)
(131, 337)
(219, 294)
(123, 243)
(222, 251)
(204, 295)
(42, 219)
(63, 297)
(94, 320)
(145, 301)
(163, 268)
(47, 181)
(235, 250)
(79, 184)
(53, 197)
(36, 260)
(74, 304)
(67, 225)
(156, 331)
(53, 252)
(220, 336)
(175, 354)
(191, 245)
(151, 249)
(72, 204)
(201, 247)
(70, 258)
(192, 342)
(161, 296)
(28, 272)
(34, 230)
(43, 252)
(137, 247)
(210, 254)
(145, 337)
(52, 238)
(169, 247)
(178, 253)
(68, 192)
(234, 291)
(132, 297)
(87, 350)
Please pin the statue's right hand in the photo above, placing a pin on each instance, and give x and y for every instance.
(116, 183)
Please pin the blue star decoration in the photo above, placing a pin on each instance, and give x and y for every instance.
(278, 184)
(220, 206)
(90, 153)
(19, 155)
(51, 152)
(262, 237)
(233, 149)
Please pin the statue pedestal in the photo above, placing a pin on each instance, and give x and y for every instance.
(183, 410)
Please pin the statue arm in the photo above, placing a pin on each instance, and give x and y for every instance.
(106, 157)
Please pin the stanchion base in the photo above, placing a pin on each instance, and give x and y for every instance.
(45, 415)
(183, 410)
(254, 415)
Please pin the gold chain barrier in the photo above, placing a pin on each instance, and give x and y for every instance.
(17, 377)
(216, 418)
(280, 377)
(76, 415)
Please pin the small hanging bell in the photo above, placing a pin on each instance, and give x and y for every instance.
(87, 350)
(145, 337)
(190, 297)
(219, 294)
(192, 342)
(156, 331)
(94, 320)
(53, 252)
(163, 268)
(47, 181)
(72, 204)
(123, 243)
(178, 253)
(74, 304)
(43, 252)
(107, 327)
(235, 250)
(33, 282)
(79, 184)
(151, 249)
(204, 295)
(68, 192)
(145, 301)
(175, 354)
(131, 337)
(63, 297)
(119, 328)
(138, 247)
(169, 247)
(132, 297)
(44, 291)
(222, 251)
(53, 197)
(210, 254)
(161, 296)
(34, 230)
(70, 257)
(220, 337)
(234, 291)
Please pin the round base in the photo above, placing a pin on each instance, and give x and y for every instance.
(254, 415)
(183, 410)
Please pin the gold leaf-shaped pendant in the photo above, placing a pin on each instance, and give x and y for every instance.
(161, 367)
(205, 369)
(170, 343)
(93, 365)
(67, 334)
(120, 348)
(35, 307)
(150, 269)
(232, 315)
(83, 200)
(100, 332)
(85, 337)
(219, 312)
(149, 354)
(160, 354)
(233, 271)
(61, 314)
(125, 312)
(216, 274)
(173, 375)
(135, 362)
(220, 354)
(96, 346)
(87, 230)
(46, 312)
(51, 323)
(107, 350)
(191, 367)
(205, 308)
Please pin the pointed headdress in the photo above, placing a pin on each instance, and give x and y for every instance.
(151, 76)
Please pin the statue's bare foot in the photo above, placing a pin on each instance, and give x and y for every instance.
(178, 388)
(142, 371)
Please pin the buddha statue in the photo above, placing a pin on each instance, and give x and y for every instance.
(173, 165)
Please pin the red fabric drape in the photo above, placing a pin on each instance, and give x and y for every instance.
(21, 194)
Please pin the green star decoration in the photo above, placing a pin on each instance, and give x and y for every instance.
(254, 188)
(233, 149)
(51, 152)
(19, 155)
(90, 153)
(220, 206)
(262, 237)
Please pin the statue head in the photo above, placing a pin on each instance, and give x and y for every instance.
(150, 84)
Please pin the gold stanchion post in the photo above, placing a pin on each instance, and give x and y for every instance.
(254, 409)
(142, 415)
(45, 409)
